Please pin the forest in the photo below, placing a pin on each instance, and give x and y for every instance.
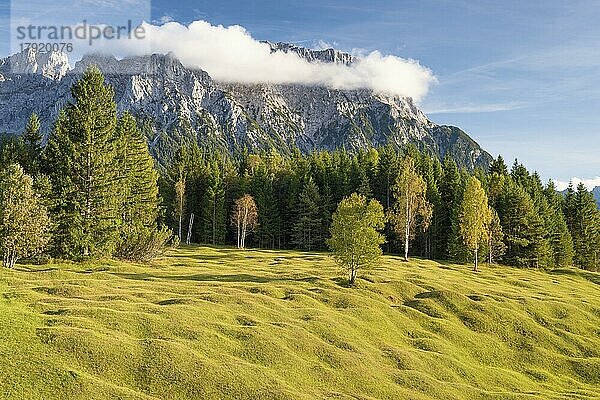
(93, 190)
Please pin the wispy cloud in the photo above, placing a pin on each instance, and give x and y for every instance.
(471, 108)
(164, 19)
(536, 78)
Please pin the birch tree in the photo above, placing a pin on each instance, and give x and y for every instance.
(24, 222)
(475, 217)
(180, 201)
(244, 218)
(411, 209)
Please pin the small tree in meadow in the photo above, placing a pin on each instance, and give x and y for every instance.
(244, 218)
(475, 217)
(24, 222)
(355, 240)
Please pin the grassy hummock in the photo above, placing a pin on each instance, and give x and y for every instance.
(206, 323)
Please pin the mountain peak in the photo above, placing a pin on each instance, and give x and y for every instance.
(53, 65)
(327, 56)
(165, 65)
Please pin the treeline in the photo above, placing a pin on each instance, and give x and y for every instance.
(530, 225)
(102, 195)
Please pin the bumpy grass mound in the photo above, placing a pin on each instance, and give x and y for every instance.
(208, 323)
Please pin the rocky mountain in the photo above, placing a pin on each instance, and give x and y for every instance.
(596, 193)
(178, 104)
(327, 55)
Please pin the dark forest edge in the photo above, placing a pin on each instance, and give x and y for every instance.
(94, 191)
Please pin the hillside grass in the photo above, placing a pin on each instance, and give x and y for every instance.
(205, 323)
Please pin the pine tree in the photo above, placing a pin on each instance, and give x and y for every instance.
(307, 230)
(82, 156)
(386, 174)
(559, 236)
(138, 183)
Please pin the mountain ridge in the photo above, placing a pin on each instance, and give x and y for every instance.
(180, 104)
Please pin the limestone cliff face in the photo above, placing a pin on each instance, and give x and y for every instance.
(179, 104)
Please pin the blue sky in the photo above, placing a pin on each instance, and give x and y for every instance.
(521, 77)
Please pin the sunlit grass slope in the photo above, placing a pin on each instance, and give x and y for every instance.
(208, 323)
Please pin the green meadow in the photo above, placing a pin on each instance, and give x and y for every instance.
(210, 323)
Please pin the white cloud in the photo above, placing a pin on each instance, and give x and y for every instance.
(165, 19)
(590, 183)
(231, 54)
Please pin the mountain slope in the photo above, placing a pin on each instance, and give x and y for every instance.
(180, 104)
(208, 323)
(596, 193)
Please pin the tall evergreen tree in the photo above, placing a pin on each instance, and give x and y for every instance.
(523, 228)
(215, 219)
(307, 230)
(32, 140)
(268, 211)
(82, 156)
(140, 239)
(584, 222)
(450, 193)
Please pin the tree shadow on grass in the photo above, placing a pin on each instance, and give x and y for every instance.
(590, 276)
(34, 269)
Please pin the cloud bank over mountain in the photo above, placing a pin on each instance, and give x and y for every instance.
(590, 184)
(231, 54)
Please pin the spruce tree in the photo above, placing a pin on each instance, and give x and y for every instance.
(32, 140)
(585, 227)
(82, 156)
(450, 193)
(140, 238)
(306, 233)
(523, 228)
(268, 212)
(215, 218)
